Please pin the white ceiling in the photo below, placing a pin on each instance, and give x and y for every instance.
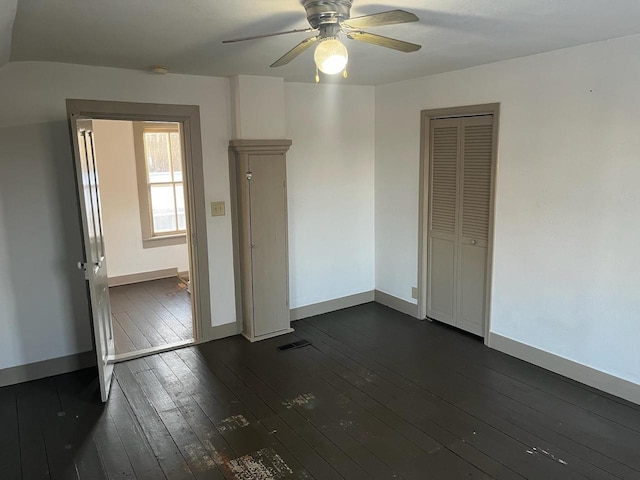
(186, 35)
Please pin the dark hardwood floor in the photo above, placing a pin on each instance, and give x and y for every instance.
(378, 395)
(150, 314)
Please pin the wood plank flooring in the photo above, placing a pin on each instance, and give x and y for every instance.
(150, 314)
(378, 395)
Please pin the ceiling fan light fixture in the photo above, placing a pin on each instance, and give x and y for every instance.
(331, 56)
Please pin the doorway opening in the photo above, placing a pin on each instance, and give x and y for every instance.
(174, 210)
(140, 168)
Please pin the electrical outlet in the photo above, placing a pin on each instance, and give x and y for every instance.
(217, 209)
(414, 292)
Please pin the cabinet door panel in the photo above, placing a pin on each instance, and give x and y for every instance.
(269, 243)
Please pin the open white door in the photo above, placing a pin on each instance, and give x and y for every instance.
(94, 263)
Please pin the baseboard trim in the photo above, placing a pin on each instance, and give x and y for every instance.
(331, 305)
(568, 368)
(142, 277)
(396, 303)
(268, 335)
(46, 368)
(218, 332)
(145, 352)
(71, 363)
(224, 331)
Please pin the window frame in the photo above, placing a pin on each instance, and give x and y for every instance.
(149, 238)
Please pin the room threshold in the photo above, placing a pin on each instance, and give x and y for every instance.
(145, 352)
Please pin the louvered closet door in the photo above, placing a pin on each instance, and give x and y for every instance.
(475, 204)
(458, 223)
(443, 213)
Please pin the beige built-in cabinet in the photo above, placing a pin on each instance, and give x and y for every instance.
(460, 198)
(258, 178)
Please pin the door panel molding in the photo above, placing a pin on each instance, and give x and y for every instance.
(424, 193)
(93, 262)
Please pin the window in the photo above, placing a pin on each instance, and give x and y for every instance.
(163, 163)
(160, 183)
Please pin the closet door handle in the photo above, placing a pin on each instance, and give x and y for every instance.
(473, 242)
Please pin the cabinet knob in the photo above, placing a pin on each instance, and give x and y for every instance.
(473, 242)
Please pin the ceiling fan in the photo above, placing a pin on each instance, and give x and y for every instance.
(332, 19)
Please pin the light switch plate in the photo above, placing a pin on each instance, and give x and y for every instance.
(217, 209)
(414, 292)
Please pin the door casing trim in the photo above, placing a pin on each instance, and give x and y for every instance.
(423, 207)
(189, 118)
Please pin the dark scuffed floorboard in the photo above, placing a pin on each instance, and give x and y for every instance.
(377, 395)
(150, 314)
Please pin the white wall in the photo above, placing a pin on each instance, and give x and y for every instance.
(43, 313)
(116, 157)
(43, 308)
(330, 190)
(257, 108)
(567, 221)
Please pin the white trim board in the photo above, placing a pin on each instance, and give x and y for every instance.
(568, 368)
(267, 335)
(396, 303)
(142, 277)
(145, 352)
(46, 368)
(219, 331)
(331, 305)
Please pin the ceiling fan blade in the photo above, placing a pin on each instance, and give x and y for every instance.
(305, 30)
(383, 41)
(378, 19)
(295, 51)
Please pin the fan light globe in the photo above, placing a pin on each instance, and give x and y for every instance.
(331, 56)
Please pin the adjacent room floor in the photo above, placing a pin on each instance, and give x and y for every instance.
(377, 395)
(151, 314)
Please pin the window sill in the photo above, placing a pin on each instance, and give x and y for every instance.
(164, 241)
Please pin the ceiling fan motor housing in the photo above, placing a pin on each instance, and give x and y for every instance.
(327, 12)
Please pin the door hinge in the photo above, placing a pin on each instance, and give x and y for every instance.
(249, 175)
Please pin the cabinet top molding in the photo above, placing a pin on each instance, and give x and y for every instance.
(277, 146)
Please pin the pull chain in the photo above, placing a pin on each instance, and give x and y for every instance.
(317, 76)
